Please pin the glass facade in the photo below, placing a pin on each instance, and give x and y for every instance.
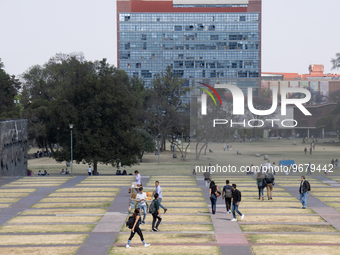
(200, 47)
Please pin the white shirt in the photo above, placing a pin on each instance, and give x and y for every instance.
(138, 179)
(141, 196)
(159, 191)
(89, 170)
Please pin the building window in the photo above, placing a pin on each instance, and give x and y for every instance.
(146, 74)
(178, 28)
(126, 18)
(242, 18)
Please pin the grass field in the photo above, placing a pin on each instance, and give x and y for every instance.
(276, 150)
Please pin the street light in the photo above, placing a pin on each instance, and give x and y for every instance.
(71, 126)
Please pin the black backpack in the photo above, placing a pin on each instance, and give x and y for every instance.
(264, 182)
(130, 222)
(228, 193)
(307, 185)
(240, 195)
(152, 208)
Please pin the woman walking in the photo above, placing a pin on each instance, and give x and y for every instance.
(136, 228)
(212, 194)
(259, 181)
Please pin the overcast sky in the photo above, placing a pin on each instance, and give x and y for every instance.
(295, 33)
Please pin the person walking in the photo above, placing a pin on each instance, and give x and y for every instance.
(141, 198)
(332, 162)
(227, 194)
(138, 179)
(336, 163)
(305, 150)
(303, 191)
(236, 202)
(270, 184)
(310, 151)
(308, 169)
(89, 170)
(156, 214)
(224, 146)
(135, 228)
(158, 190)
(259, 182)
(212, 194)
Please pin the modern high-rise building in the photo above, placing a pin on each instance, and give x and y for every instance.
(209, 41)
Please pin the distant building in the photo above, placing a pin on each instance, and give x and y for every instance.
(209, 41)
(316, 80)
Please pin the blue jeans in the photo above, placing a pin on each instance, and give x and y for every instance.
(160, 205)
(303, 199)
(260, 190)
(213, 200)
(143, 211)
(235, 208)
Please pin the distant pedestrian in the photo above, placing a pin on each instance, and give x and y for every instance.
(259, 182)
(308, 169)
(224, 146)
(269, 177)
(333, 162)
(135, 228)
(158, 190)
(236, 202)
(156, 214)
(227, 194)
(227, 147)
(304, 188)
(310, 151)
(213, 194)
(336, 163)
(305, 150)
(89, 170)
(138, 179)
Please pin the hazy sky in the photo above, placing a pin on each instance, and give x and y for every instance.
(295, 33)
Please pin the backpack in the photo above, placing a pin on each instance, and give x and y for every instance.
(240, 195)
(228, 193)
(264, 182)
(130, 222)
(307, 185)
(152, 208)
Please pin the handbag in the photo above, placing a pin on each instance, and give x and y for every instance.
(217, 193)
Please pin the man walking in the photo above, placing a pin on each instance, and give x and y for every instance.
(269, 177)
(308, 169)
(159, 192)
(156, 214)
(304, 188)
(236, 202)
(227, 194)
(138, 179)
(141, 198)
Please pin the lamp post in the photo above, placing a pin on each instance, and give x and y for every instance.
(71, 126)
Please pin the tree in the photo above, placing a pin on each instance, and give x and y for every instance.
(336, 61)
(148, 142)
(164, 107)
(101, 106)
(9, 87)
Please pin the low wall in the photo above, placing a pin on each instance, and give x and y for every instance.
(13, 148)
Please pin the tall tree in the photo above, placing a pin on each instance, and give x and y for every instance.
(9, 87)
(101, 106)
(164, 104)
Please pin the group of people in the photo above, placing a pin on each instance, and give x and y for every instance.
(64, 171)
(42, 174)
(232, 195)
(154, 209)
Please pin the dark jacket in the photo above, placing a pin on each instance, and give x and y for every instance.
(303, 188)
(269, 178)
(236, 196)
